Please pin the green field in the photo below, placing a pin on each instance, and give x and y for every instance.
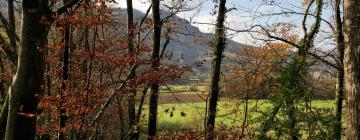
(182, 109)
(183, 88)
(229, 113)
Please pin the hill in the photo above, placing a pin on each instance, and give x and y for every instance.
(188, 45)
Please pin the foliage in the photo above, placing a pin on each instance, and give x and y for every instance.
(252, 70)
(105, 67)
(99, 67)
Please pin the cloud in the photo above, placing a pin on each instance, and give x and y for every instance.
(141, 5)
(237, 19)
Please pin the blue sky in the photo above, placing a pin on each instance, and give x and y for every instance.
(244, 15)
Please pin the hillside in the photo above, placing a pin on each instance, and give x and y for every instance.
(188, 45)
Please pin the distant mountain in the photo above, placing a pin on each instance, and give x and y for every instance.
(188, 45)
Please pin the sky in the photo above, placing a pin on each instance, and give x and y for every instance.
(244, 15)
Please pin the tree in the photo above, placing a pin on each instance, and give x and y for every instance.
(132, 93)
(9, 49)
(154, 86)
(28, 80)
(293, 87)
(216, 68)
(351, 67)
(64, 76)
(251, 72)
(10, 52)
(340, 72)
(12, 24)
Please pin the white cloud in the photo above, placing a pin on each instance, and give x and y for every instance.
(141, 5)
(236, 19)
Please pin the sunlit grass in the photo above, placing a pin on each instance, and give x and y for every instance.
(229, 113)
(173, 88)
(184, 89)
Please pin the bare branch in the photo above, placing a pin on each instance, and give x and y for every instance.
(67, 5)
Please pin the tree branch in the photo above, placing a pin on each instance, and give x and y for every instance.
(316, 25)
(268, 34)
(67, 5)
(305, 17)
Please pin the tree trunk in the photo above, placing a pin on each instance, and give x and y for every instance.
(339, 95)
(142, 97)
(4, 100)
(12, 25)
(132, 93)
(154, 87)
(290, 112)
(246, 107)
(352, 67)
(139, 111)
(340, 74)
(266, 126)
(2, 83)
(3, 117)
(64, 77)
(28, 80)
(218, 52)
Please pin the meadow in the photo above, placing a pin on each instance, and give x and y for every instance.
(182, 109)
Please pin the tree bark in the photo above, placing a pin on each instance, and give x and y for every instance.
(12, 24)
(3, 82)
(139, 111)
(64, 77)
(132, 93)
(352, 67)
(154, 86)
(28, 80)
(339, 95)
(218, 52)
(3, 117)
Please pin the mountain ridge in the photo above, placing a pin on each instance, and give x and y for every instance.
(188, 45)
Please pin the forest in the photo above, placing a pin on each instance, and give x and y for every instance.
(179, 69)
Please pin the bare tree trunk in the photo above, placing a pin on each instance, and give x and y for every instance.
(64, 77)
(246, 107)
(12, 25)
(121, 118)
(4, 100)
(136, 134)
(28, 80)
(132, 94)
(2, 83)
(3, 117)
(340, 74)
(339, 96)
(352, 67)
(154, 86)
(138, 113)
(218, 52)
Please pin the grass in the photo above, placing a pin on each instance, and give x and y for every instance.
(173, 88)
(229, 113)
(189, 112)
(184, 89)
